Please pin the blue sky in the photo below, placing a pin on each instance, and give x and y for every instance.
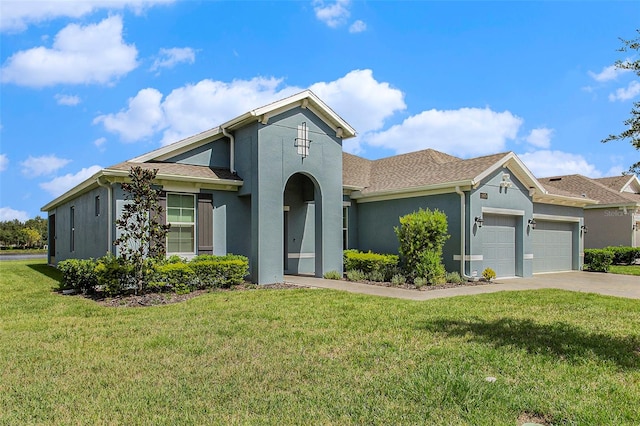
(85, 85)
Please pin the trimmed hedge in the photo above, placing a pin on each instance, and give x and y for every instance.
(114, 276)
(624, 255)
(598, 260)
(379, 266)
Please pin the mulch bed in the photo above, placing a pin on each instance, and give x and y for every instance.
(429, 287)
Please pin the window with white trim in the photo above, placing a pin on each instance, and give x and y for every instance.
(345, 228)
(181, 215)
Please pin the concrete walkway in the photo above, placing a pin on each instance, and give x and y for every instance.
(588, 282)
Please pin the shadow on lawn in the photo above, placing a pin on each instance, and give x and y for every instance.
(562, 340)
(46, 270)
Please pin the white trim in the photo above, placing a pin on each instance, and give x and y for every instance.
(469, 257)
(447, 188)
(180, 189)
(286, 208)
(301, 255)
(528, 256)
(556, 218)
(508, 212)
(346, 204)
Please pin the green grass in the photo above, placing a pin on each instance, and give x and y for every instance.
(315, 357)
(22, 251)
(625, 269)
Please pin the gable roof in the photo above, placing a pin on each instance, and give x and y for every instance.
(305, 99)
(602, 190)
(430, 170)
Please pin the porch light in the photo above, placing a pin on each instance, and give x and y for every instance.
(584, 229)
(532, 223)
(479, 221)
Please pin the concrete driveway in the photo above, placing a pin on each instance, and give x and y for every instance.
(588, 282)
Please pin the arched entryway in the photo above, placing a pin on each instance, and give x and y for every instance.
(302, 226)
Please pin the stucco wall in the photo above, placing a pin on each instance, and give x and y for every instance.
(607, 227)
(213, 154)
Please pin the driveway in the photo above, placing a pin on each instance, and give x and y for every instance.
(587, 282)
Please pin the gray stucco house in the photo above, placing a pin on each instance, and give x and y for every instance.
(615, 219)
(274, 185)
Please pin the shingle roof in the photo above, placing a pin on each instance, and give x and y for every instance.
(591, 188)
(615, 182)
(412, 170)
(178, 169)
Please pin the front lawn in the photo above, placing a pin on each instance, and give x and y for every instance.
(309, 356)
(625, 269)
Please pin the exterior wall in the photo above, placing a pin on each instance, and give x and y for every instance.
(277, 161)
(608, 227)
(376, 220)
(90, 230)
(488, 198)
(214, 154)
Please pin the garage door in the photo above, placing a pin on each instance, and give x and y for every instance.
(499, 244)
(552, 246)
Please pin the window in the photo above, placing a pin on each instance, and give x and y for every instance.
(72, 226)
(345, 228)
(97, 205)
(181, 213)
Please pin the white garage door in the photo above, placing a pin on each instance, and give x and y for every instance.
(553, 246)
(499, 244)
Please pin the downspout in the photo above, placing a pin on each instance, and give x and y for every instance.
(232, 149)
(107, 185)
(463, 232)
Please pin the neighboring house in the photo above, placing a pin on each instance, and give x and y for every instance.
(274, 185)
(615, 219)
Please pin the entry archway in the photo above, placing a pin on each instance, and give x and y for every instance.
(302, 227)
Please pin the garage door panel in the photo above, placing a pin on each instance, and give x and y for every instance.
(553, 246)
(499, 244)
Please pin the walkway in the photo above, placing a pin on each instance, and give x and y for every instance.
(588, 282)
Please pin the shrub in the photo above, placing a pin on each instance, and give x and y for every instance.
(368, 262)
(332, 275)
(419, 282)
(398, 279)
(624, 255)
(220, 271)
(488, 274)
(431, 268)
(422, 232)
(178, 277)
(453, 278)
(598, 260)
(78, 274)
(356, 275)
(115, 276)
(376, 276)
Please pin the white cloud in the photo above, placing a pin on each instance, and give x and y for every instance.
(18, 14)
(4, 162)
(99, 142)
(547, 163)
(61, 184)
(43, 165)
(141, 120)
(68, 100)
(169, 58)
(465, 132)
(623, 94)
(608, 73)
(95, 53)
(361, 100)
(333, 14)
(358, 27)
(7, 214)
(540, 138)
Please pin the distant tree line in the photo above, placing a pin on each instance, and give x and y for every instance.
(29, 234)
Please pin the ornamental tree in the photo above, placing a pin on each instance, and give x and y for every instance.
(142, 236)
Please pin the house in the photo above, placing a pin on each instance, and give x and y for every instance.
(615, 219)
(274, 185)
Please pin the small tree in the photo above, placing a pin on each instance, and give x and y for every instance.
(421, 236)
(142, 236)
(632, 132)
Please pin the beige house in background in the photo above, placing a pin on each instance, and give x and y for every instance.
(615, 220)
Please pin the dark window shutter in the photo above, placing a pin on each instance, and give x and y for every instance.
(205, 224)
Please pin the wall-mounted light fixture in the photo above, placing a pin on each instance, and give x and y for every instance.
(532, 223)
(506, 181)
(479, 221)
(635, 226)
(584, 229)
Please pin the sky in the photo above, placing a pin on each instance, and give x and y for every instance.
(88, 84)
